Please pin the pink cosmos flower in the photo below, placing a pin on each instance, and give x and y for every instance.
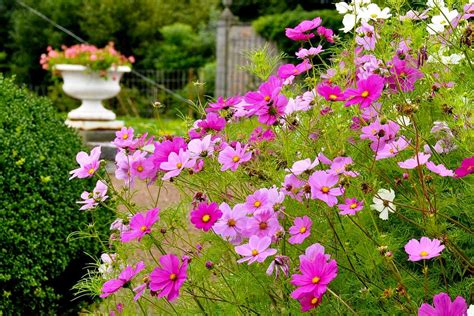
(143, 168)
(288, 70)
(330, 93)
(326, 33)
(300, 32)
(468, 11)
(124, 277)
(312, 251)
(165, 148)
(270, 113)
(281, 264)
(414, 162)
(255, 250)
(315, 276)
(168, 279)
(309, 301)
(424, 249)
(351, 206)
(258, 201)
(258, 135)
(439, 169)
(231, 158)
(124, 137)
(176, 163)
(391, 149)
(367, 91)
(205, 215)
(140, 225)
(444, 307)
(367, 36)
(304, 53)
(88, 164)
(263, 223)
(200, 148)
(266, 92)
(293, 187)
(339, 166)
(301, 166)
(223, 104)
(300, 230)
(466, 168)
(322, 187)
(91, 200)
(213, 122)
(232, 223)
(403, 76)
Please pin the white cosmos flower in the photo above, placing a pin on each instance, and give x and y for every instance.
(198, 148)
(383, 203)
(373, 12)
(439, 22)
(470, 310)
(349, 21)
(435, 4)
(343, 7)
(452, 59)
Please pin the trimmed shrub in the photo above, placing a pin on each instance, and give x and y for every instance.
(272, 27)
(37, 207)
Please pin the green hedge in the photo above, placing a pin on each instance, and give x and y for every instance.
(37, 207)
(272, 27)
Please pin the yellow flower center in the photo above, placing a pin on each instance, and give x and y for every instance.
(325, 189)
(314, 300)
(332, 97)
(124, 136)
(267, 98)
(365, 94)
(235, 158)
(143, 228)
(206, 218)
(423, 253)
(257, 203)
(140, 168)
(303, 230)
(179, 165)
(315, 280)
(254, 252)
(91, 171)
(353, 205)
(373, 15)
(231, 222)
(173, 276)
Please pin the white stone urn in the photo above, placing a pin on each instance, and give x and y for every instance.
(89, 87)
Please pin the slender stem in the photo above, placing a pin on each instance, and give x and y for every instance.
(342, 301)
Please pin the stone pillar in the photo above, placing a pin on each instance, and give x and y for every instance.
(225, 22)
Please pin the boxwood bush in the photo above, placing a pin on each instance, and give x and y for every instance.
(272, 27)
(37, 207)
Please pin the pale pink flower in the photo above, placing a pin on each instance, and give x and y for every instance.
(256, 250)
(414, 162)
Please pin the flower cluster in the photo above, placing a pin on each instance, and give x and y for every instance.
(319, 176)
(96, 59)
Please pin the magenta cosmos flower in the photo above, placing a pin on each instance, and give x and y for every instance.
(88, 164)
(403, 76)
(270, 113)
(322, 189)
(300, 230)
(140, 225)
(444, 307)
(223, 104)
(351, 206)
(124, 277)
(309, 301)
(330, 93)
(315, 277)
(205, 215)
(266, 92)
(466, 168)
(255, 250)
(367, 91)
(300, 32)
(163, 149)
(168, 279)
(423, 249)
(231, 158)
(288, 70)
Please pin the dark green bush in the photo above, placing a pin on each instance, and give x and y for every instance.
(37, 207)
(272, 27)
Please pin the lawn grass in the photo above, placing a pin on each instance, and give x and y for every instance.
(156, 126)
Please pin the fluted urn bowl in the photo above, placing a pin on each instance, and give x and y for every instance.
(91, 88)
